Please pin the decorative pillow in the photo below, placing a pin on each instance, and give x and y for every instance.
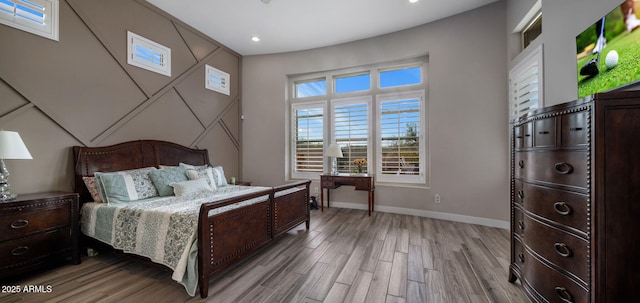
(218, 173)
(125, 186)
(91, 184)
(163, 177)
(190, 187)
(189, 166)
(203, 173)
(218, 176)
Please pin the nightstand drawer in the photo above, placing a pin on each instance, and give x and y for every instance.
(30, 249)
(30, 219)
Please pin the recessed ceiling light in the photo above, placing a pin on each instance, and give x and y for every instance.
(413, 1)
(255, 38)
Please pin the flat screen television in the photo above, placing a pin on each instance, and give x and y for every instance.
(608, 51)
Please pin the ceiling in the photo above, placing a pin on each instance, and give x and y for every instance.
(291, 25)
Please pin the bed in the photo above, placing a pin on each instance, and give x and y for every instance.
(203, 234)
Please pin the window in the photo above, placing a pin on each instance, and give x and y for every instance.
(351, 131)
(149, 55)
(38, 17)
(308, 143)
(384, 124)
(216, 80)
(525, 85)
(352, 83)
(401, 146)
(530, 26)
(532, 31)
(401, 76)
(311, 88)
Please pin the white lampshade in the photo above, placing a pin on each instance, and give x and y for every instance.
(12, 147)
(334, 151)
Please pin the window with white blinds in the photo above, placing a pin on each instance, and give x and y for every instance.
(351, 132)
(400, 135)
(376, 113)
(38, 17)
(525, 82)
(148, 54)
(308, 146)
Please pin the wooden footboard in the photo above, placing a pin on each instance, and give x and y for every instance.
(290, 206)
(226, 238)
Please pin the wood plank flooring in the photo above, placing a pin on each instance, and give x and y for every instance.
(346, 256)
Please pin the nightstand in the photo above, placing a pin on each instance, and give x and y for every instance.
(243, 183)
(37, 230)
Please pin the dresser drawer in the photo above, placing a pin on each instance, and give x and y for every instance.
(518, 252)
(518, 221)
(553, 286)
(559, 167)
(29, 219)
(30, 249)
(566, 208)
(566, 251)
(544, 132)
(523, 136)
(574, 129)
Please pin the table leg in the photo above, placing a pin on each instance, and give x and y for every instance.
(328, 197)
(321, 199)
(371, 202)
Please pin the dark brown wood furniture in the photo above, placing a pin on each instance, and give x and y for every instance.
(223, 239)
(365, 182)
(575, 213)
(38, 230)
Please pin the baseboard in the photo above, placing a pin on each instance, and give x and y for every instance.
(427, 214)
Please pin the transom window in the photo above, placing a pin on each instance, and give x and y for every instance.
(384, 124)
(38, 17)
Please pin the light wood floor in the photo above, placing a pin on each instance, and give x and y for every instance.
(345, 257)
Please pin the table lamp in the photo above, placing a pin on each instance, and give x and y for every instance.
(11, 147)
(334, 152)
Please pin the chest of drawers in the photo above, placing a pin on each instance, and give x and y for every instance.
(37, 230)
(575, 216)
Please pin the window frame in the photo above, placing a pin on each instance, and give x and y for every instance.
(133, 40)
(372, 94)
(51, 20)
(307, 105)
(367, 100)
(420, 178)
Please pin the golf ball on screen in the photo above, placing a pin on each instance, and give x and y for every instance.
(612, 59)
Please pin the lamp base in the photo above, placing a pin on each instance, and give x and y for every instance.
(6, 197)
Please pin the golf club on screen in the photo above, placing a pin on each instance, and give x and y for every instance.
(591, 67)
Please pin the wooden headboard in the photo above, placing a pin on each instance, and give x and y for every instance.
(130, 155)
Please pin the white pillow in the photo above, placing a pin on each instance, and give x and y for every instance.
(203, 173)
(190, 187)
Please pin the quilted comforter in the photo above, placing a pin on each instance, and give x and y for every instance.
(162, 229)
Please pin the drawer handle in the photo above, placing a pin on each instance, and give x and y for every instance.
(521, 258)
(521, 163)
(521, 194)
(564, 294)
(562, 208)
(562, 249)
(575, 129)
(527, 135)
(20, 250)
(544, 132)
(563, 168)
(519, 137)
(521, 224)
(19, 224)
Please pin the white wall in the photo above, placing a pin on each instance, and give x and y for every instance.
(467, 112)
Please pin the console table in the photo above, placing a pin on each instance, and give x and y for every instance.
(363, 182)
